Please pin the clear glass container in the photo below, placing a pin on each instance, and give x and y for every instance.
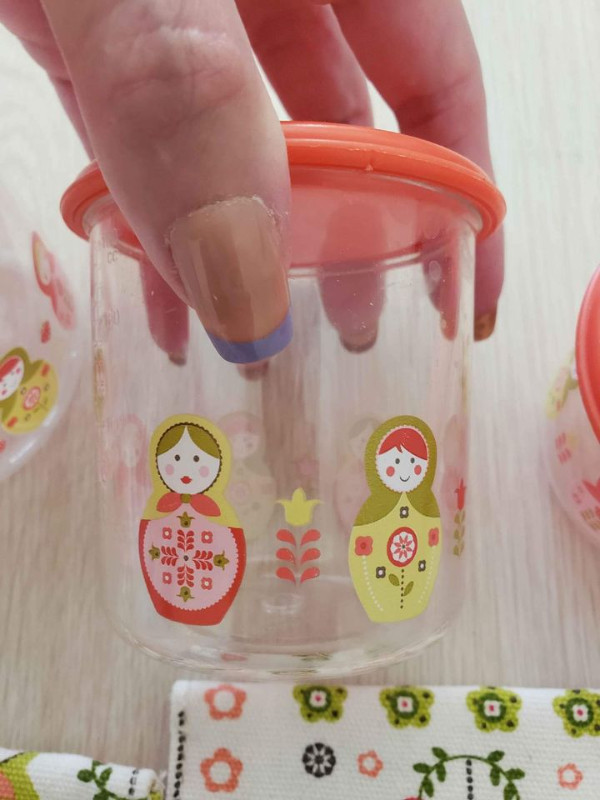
(305, 514)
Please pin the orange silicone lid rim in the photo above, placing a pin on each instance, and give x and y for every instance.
(587, 352)
(365, 150)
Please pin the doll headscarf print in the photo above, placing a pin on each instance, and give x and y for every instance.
(395, 546)
(192, 548)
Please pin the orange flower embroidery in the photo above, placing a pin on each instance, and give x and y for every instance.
(225, 701)
(221, 757)
(370, 764)
(569, 777)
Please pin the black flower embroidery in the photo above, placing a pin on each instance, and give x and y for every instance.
(318, 760)
(404, 511)
(380, 572)
(422, 565)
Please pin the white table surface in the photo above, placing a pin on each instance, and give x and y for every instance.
(532, 616)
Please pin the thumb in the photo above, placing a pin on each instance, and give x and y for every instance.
(192, 151)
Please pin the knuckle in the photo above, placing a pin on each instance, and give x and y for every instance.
(168, 77)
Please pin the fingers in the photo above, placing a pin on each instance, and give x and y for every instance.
(308, 61)
(317, 77)
(422, 58)
(168, 315)
(353, 294)
(27, 20)
(192, 152)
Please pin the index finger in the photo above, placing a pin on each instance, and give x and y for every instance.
(422, 58)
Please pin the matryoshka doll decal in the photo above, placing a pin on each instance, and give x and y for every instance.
(28, 391)
(192, 548)
(395, 546)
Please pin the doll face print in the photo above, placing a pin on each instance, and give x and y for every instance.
(11, 375)
(244, 444)
(400, 470)
(186, 468)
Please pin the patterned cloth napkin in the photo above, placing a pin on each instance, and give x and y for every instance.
(57, 776)
(284, 742)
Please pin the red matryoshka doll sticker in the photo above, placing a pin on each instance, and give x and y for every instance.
(53, 283)
(192, 548)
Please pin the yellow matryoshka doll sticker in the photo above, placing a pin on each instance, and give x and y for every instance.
(28, 391)
(395, 546)
(192, 548)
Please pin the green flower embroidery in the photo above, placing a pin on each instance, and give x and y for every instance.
(321, 702)
(407, 705)
(580, 712)
(99, 776)
(494, 709)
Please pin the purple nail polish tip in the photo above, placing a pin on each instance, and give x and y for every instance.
(247, 352)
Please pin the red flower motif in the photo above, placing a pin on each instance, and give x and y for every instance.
(206, 583)
(225, 701)
(460, 493)
(569, 777)
(434, 537)
(206, 537)
(45, 332)
(221, 756)
(370, 764)
(363, 546)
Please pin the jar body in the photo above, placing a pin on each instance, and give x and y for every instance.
(573, 452)
(295, 548)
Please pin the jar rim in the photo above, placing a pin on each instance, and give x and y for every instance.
(351, 147)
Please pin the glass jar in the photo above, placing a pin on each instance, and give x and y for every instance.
(307, 514)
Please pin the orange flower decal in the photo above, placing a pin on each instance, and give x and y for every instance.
(225, 701)
(370, 764)
(569, 777)
(221, 757)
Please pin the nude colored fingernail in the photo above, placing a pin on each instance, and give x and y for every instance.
(484, 325)
(232, 264)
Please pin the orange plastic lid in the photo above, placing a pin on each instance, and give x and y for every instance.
(587, 352)
(347, 147)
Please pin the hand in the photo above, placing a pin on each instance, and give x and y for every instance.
(167, 97)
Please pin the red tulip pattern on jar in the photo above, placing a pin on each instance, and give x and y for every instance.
(192, 548)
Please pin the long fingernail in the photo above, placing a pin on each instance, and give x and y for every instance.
(232, 264)
(484, 325)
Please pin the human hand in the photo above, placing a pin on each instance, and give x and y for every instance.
(168, 98)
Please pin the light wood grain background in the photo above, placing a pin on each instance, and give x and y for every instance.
(532, 616)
